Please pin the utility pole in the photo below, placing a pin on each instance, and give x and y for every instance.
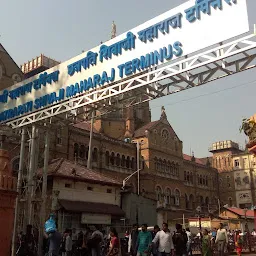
(44, 188)
(19, 184)
(89, 161)
(138, 165)
(32, 166)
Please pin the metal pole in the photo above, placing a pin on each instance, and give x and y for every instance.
(19, 184)
(89, 162)
(138, 165)
(31, 174)
(44, 189)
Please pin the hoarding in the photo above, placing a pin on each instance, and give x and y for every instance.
(181, 31)
(87, 218)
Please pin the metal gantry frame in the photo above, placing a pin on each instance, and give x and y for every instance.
(185, 73)
(221, 61)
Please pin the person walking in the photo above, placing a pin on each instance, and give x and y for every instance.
(180, 240)
(189, 242)
(95, 242)
(238, 242)
(114, 246)
(144, 241)
(206, 244)
(221, 240)
(54, 239)
(132, 241)
(164, 240)
(68, 243)
(155, 245)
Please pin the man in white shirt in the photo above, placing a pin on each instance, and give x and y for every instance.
(68, 243)
(164, 238)
(221, 240)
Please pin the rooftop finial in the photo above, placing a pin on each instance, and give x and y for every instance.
(193, 159)
(113, 30)
(163, 114)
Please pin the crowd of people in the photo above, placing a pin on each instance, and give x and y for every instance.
(140, 242)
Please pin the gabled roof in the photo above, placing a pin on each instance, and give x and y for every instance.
(197, 160)
(85, 126)
(63, 168)
(241, 212)
(141, 131)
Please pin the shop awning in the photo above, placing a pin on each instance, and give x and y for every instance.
(89, 207)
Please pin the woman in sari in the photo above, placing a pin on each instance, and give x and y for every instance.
(238, 243)
(114, 247)
(206, 244)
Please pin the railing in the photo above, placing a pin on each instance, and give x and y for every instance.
(8, 182)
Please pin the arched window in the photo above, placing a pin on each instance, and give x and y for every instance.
(156, 163)
(127, 164)
(230, 202)
(201, 180)
(15, 167)
(206, 181)
(188, 177)
(159, 193)
(191, 202)
(201, 201)
(191, 178)
(160, 164)
(177, 197)
(123, 161)
(177, 170)
(185, 175)
(168, 196)
(107, 158)
(169, 167)
(207, 202)
(95, 155)
(172, 168)
(82, 151)
(118, 160)
(187, 201)
(112, 158)
(133, 163)
(87, 152)
(76, 150)
(164, 166)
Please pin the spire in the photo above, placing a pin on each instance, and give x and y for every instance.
(113, 30)
(193, 159)
(163, 114)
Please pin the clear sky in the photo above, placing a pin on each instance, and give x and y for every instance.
(61, 29)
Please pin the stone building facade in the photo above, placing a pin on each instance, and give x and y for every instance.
(237, 174)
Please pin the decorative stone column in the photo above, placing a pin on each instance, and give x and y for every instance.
(7, 202)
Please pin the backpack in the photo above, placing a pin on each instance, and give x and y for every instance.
(95, 241)
(181, 240)
(50, 225)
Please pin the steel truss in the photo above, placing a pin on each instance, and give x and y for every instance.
(221, 61)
